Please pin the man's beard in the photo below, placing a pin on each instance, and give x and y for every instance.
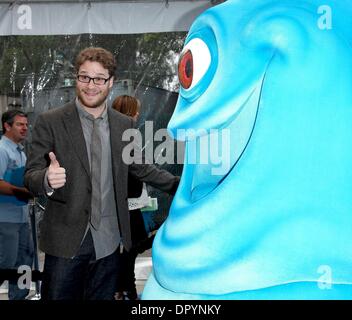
(90, 104)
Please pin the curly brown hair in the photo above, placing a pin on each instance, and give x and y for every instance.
(96, 54)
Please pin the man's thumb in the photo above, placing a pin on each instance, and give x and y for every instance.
(53, 161)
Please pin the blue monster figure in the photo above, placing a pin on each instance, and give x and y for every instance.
(273, 220)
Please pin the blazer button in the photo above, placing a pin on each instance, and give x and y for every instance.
(86, 212)
(89, 190)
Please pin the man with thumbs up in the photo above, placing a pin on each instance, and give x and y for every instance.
(76, 161)
(56, 174)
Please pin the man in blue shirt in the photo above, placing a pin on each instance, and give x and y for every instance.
(16, 246)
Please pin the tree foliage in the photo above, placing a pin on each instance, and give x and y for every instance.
(43, 62)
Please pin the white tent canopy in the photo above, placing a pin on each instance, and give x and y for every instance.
(98, 17)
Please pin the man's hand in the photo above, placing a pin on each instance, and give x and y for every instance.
(8, 189)
(56, 174)
(22, 194)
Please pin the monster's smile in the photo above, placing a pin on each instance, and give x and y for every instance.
(230, 141)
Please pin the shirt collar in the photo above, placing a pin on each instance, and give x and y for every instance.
(83, 113)
(13, 145)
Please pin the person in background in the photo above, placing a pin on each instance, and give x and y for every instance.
(128, 105)
(76, 158)
(16, 244)
(126, 286)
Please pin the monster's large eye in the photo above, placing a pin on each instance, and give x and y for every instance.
(185, 69)
(194, 62)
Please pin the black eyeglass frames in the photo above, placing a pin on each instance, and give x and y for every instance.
(86, 79)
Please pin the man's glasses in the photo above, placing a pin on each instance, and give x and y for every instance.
(98, 81)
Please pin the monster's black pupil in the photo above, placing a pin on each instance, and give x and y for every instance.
(189, 68)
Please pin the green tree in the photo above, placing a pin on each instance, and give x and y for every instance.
(35, 63)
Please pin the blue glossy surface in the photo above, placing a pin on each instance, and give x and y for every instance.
(277, 223)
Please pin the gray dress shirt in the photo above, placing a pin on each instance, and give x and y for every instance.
(107, 238)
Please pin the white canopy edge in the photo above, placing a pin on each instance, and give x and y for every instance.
(104, 17)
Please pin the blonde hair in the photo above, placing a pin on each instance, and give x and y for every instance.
(127, 105)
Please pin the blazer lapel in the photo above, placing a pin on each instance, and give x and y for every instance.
(75, 132)
(115, 140)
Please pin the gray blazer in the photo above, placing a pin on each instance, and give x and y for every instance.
(68, 209)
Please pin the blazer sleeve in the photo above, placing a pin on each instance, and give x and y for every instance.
(160, 179)
(149, 173)
(37, 160)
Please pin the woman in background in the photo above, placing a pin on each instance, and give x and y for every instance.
(130, 106)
